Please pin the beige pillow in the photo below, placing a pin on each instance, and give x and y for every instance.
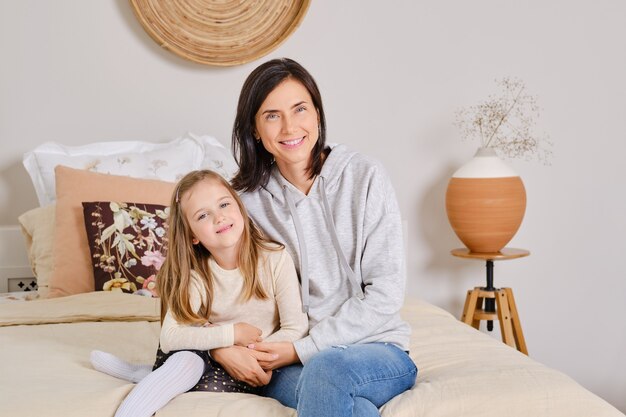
(73, 273)
(38, 229)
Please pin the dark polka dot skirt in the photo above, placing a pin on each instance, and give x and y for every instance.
(214, 378)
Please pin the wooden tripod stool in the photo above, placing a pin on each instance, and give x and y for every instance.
(499, 303)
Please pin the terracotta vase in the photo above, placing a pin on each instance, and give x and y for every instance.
(485, 202)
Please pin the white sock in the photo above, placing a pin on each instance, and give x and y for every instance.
(119, 368)
(177, 375)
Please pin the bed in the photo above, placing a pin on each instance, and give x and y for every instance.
(45, 342)
(45, 347)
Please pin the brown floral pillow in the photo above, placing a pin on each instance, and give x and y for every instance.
(128, 243)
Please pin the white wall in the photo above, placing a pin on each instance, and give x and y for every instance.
(392, 75)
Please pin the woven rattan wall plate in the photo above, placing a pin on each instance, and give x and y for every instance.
(220, 32)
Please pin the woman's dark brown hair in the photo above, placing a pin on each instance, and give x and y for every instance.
(255, 163)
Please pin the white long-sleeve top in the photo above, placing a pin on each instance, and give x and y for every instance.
(279, 317)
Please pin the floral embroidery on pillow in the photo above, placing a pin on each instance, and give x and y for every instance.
(128, 244)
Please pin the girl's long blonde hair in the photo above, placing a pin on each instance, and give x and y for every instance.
(184, 258)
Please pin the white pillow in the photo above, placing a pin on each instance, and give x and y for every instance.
(216, 157)
(164, 161)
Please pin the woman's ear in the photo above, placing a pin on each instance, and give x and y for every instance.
(194, 241)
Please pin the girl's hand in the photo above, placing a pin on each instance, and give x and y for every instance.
(246, 334)
(242, 364)
(284, 352)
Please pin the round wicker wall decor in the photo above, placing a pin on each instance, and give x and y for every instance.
(220, 32)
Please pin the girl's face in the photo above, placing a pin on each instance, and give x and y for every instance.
(214, 217)
(287, 123)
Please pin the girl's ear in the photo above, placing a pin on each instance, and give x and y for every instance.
(194, 241)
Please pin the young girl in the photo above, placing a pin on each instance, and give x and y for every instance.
(222, 284)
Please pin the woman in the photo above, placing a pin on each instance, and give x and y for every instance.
(336, 212)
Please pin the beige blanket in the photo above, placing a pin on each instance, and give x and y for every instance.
(45, 370)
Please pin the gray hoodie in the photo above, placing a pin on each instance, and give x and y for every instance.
(345, 238)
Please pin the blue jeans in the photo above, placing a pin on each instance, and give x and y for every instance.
(344, 381)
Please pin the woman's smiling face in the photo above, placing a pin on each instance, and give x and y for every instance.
(287, 123)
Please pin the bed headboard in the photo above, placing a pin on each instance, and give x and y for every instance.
(15, 271)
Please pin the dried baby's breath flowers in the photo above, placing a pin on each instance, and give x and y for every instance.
(506, 123)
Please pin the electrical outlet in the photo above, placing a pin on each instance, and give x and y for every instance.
(16, 274)
(21, 284)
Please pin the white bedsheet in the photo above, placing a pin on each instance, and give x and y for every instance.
(45, 369)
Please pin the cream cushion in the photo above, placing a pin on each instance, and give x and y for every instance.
(37, 226)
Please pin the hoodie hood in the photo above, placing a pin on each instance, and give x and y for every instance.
(333, 167)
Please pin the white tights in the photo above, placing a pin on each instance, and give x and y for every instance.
(177, 375)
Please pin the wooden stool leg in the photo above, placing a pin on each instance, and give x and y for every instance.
(517, 325)
(469, 307)
(504, 316)
(471, 304)
(479, 306)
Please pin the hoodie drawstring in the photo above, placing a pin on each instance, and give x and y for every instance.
(335, 239)
(304, 257)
